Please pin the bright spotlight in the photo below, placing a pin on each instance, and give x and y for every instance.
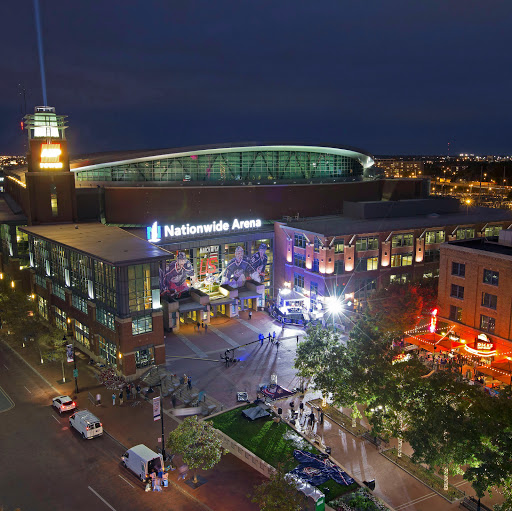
(334, 305)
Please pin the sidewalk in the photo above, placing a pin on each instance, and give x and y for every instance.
(132, 423)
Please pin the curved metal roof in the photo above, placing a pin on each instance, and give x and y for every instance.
(100, 160)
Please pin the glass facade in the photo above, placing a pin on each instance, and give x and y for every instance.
(107, 351)
(142, 324)
(139, 287)
(144, 357)
(82, 334)
(237, 165)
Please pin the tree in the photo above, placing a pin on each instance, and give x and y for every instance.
(197, 442)
(506, 505)
(52, 345)
(445, 433)
(279, 493)
(396, 309)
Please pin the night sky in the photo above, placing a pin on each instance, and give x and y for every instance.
(390, 77)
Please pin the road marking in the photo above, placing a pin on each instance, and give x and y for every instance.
(228, 339)
(101, 498)
(57, 392)
(190, 345)
(128, 482)
(56, 418)
(6, 367)
(249, 325)
(27, 389)
(8, 400)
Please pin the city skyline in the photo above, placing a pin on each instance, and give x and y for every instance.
(395, 79)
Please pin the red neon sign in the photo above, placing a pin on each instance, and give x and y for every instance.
(208, 264)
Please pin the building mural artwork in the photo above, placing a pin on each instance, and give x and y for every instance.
(175, 278)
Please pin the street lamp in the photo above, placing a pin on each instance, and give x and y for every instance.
(150, 391)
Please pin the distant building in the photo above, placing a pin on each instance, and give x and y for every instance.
(400, 168)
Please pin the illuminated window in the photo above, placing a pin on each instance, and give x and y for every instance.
(434, 237)
(466, 233)
(142, 324)
(491, 277)
(299, 240)
(53, 200)
(455, 313)
(298, 282)
(492, 231)
(487, 324)
(402, 240)
(299, 260)
(139, 287)
(339, 247)
(370, 243)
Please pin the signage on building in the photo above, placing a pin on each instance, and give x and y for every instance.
(50, 156)
(483, 347)
(156, 233)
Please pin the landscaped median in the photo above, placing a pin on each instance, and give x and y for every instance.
(271, 442)
(427, 477)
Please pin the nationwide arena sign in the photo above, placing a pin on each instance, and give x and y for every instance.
(156, 233)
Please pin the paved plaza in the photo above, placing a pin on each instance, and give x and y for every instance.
(196, 353)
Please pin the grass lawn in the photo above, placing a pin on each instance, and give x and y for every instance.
(272, 442)
(424, 475)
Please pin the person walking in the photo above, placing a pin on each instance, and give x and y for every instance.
(128, 392)
(113, 399)
(198, 325)
(250, 314)
(173, 401)
(312, 418)
(185, 379)
(261, 339)
(121, 397)
(205, 327)
(202, 324)
(274, 335)
(269, 338)
(189, 383)
(138, 391)
(98, 399)
(301, 407)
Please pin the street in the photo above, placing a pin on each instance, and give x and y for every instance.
(48, 466)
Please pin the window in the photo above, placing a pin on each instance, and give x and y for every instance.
(491, 277)
(368, 264)
(365, 288)
(299, 260)
(403, 278)
(40, 281)
(313, 289)
(61, 319)
(299, 240)
(489, 301)
(455, 313)
(431, 256)
(434, 237)
(457, 292)
(401, 260)
(145, 357)
(142, 324)
(368, 243)
(53, 200)
(339, 266)
(466, 233)
(82, 334)
(487, 324)
(459, 269)
(316, 265)
(339, 247)
(402, 240)
(298, 282)
(139, 287)
(492, 231)
(317, 244)
(105, 283)
(79, 303)
(42, 307)
(107, 351)
(105, 318)
(58, 291)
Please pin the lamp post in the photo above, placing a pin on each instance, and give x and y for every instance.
(150, 391)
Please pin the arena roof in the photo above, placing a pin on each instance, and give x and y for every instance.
(84, 162)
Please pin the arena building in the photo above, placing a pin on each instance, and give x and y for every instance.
(119, 246)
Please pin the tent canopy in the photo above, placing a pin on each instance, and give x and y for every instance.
(257, 412)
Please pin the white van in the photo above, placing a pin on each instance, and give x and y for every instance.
(87, 424)
(141, 460)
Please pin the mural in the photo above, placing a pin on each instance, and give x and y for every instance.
(174, 278)
(179, 274)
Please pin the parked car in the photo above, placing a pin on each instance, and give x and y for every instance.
(63, 403)
(141, 460)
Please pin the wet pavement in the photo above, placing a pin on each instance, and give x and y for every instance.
(197, 354)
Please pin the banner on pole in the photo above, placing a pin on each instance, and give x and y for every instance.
(156, 408)
(69, 352)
